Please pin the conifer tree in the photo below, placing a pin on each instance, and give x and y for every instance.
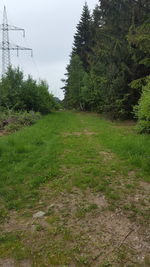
(82, 38)
(113, 48)
(74, 83)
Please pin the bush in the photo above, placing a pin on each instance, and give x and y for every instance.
(19, 94)
(11, 121)
(12, 127)
(142, 111)
(28, 118)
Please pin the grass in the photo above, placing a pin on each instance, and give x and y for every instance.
(10, 244)
(81, 211)
(130, 146)
(29, 158)
(63, 165)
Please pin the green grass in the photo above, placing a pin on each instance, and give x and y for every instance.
(28, 158)
(10, 244)
(68, 153)
(127, 144)
(32, 156)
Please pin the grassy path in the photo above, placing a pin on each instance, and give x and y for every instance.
(90, 178)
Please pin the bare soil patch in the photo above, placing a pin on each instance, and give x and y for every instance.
(11, 263)
(85, 216)
(106, 155)
(145, 186)
(7, 263)
(85, 132)
(2, 133)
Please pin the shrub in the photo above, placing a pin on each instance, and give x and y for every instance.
(142, 111)
(28, 118)
(19, 94)
(11, 121)
(12, 127)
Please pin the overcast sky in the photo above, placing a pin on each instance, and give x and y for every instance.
(50, 26)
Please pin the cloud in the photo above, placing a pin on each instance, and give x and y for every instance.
(50, 26)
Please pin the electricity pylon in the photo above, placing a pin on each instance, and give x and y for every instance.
(6, 46)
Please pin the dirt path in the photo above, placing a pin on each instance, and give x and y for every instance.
(94, 214)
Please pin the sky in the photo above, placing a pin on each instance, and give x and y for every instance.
(50, 26)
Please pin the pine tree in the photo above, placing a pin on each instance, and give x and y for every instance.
(74, 83)
(82, 38)
(112, 59)
(113, 48)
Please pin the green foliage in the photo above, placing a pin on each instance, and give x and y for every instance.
(139, 39)
(112, 46)
(75, 84)
(11, 89)
(36, 96)
(82, 38)
(11, 121)
(143, 110)
(19, 94)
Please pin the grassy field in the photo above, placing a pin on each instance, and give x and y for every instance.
(90, 177)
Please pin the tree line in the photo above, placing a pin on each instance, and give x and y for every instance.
(109, 68)
(20, 94)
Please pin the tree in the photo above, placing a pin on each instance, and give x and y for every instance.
(19, 94)
(82, 38)
(111, 57)
(74, 83)
(114, 52)
(142, 110)
(11, 89)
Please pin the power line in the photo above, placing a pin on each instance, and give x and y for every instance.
(6, 46)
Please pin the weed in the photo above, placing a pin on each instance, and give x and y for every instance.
(129, 186)
(3, 215)
(67, 236)
(106, 264)
(10, 244)
(147, 260)
(39, 227)
(81, 211)
(52, 219)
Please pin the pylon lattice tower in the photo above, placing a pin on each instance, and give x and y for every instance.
(6, 46)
